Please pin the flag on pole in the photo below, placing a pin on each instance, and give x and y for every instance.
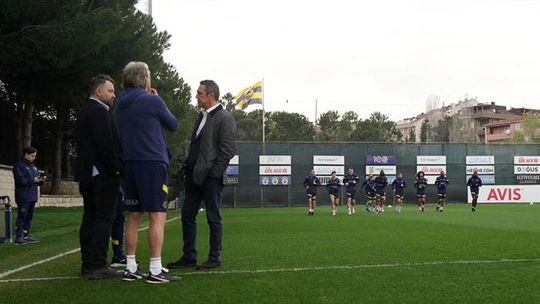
(250, 95)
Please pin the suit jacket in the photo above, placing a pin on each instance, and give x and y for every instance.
(210, 152)
(97, 142)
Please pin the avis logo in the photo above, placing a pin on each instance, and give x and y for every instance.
(503, 194)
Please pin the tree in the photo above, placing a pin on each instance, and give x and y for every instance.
(411, 137)
(529, 130)
(347, 124)
(228, 101)
(49, 50)
(329, 126)
(283, 126)
(377, 128)
(424, 131)
(441, 132)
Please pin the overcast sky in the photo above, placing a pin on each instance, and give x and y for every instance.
(365, 56)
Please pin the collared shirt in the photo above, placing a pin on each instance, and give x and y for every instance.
(203, 121)
(95, 171)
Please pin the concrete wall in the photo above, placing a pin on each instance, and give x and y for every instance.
(7, 187)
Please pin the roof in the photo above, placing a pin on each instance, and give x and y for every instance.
(505, 122)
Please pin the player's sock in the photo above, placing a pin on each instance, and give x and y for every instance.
(155, 266)
(131, 263)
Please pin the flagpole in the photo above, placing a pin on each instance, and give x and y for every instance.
(263, 123)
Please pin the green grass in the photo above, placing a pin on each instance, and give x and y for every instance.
(406, 247)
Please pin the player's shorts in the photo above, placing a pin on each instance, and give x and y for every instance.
(146, 186)
(400, 196)
(381, 195)
(442, 195)
(421, 195)
(351, 194)
(311, 195)
(474, 193)
(335, 194)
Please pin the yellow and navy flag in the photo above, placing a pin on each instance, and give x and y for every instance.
(250, 95)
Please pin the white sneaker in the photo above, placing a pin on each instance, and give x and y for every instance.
(353, 211)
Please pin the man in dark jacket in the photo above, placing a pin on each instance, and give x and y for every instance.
(98, 172)
(27, 180)
(212, 146)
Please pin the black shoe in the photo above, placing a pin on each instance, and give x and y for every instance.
(163, 277)
(119, 261)
(208, 265)
(182, 263)
(20, 241)
(100, 274)
(132, 276)
(30, 239)
(473, 209)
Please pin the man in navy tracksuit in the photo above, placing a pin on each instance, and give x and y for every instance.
(441, 182)
(142, 118)
(351, 181)
(27, 180)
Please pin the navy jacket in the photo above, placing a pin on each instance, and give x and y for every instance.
(142, 119)
(26, 190)
(311, 183)
(442, 182)
(398, 185)
(474, 183)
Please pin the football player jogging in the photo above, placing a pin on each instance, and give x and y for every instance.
(311, 182)
(441, 182)
(369, 189)
(397, 186)
(333, 190)
(351, 181)
(420, 184)
(380, 184)
(474, 184)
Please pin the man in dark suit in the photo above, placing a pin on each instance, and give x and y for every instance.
(98, 168)
(212, 145)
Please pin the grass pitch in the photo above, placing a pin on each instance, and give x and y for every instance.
(280, 255)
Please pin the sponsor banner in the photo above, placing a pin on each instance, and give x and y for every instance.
(431, 169)
(431, 160)
(274, 159)
(430, 179)
(273, 170)
(380, 160)
(232, 170)
(507, 194)
(480, 160)
(274, 180)
(234, 160)
(324, 179)
(328, 160)
(527, 179)
(486, 179)
(527, 160)
(375, 170)
(480, 169)
(230, 180)
(526, 169)
(327, 170)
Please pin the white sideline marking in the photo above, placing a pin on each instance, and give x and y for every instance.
(321, 268)
(10, 272)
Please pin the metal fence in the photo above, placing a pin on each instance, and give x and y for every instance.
(248, 192)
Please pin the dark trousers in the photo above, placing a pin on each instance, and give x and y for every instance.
(117, 232)
(211, 192)
(100, 198)
(25, 213)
